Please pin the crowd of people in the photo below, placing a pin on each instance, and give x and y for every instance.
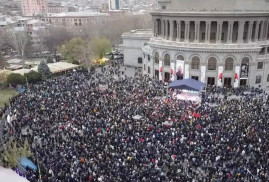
(106, 127)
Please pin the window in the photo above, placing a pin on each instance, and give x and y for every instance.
(180, 57)
(144, 67)
(258, 79)
(163, 7)
(229, 64)
(268, 78)
(148, 70)
(195, 78)
(260, 65)
(140, 60)
(156, 57)
(212, 63)
(195, 63)
(148, 57)
(167, 60)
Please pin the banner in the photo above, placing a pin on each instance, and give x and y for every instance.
(203, 70)
(160, 70)
(179, 69)
(236, 81)
(172, 71)
(220, 71)
(187, 73)
(244, 71)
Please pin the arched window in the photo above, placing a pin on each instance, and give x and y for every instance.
(244, 67)
(245, 60)
(229, 64)
(212, 63)
(180, 57)
(156, 57)
(167, 60)
(195, 63)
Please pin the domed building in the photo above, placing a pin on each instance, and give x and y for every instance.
(222, 43)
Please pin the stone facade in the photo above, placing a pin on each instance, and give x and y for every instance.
(223, 48)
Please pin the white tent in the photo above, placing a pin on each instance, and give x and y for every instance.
(8, 175)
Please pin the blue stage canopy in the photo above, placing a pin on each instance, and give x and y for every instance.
(24, 162)
(187, 84)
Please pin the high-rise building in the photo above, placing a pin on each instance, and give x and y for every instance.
(114, 4)
(33, 7)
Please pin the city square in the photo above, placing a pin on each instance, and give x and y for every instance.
(185, 99)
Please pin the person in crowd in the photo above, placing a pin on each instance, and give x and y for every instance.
(81, 133)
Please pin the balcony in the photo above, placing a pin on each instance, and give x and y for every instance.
(205, 46)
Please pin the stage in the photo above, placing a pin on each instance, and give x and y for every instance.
(187, 95)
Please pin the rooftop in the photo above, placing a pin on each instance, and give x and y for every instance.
(212, 12)
(142, 33)
(214, 4)
(78, 14)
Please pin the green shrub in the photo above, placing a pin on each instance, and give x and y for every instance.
(33, 77)
(15, 79)
(44, 70)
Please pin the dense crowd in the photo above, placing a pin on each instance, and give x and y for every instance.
(93, 127)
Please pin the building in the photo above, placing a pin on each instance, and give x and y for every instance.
(222, 43)
(114, 4)
(34, 7)
(57, 8)
(76, 18)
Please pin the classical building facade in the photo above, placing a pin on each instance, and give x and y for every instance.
(223, 47)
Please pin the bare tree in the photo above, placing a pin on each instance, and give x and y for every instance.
(53, 37)
(18, 41)
(115, 26)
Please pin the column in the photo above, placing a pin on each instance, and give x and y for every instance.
(230, 32)
(250, 29)
(178, 30)
(162, 28)
(197, 31)
(241, 26)
(171, 30)
(266, 31)
(167, 28)
(261, 31)
(257, 30)
(207, 32)
(155, 27)
(219, 31)
(160, 68)
(187, 28)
